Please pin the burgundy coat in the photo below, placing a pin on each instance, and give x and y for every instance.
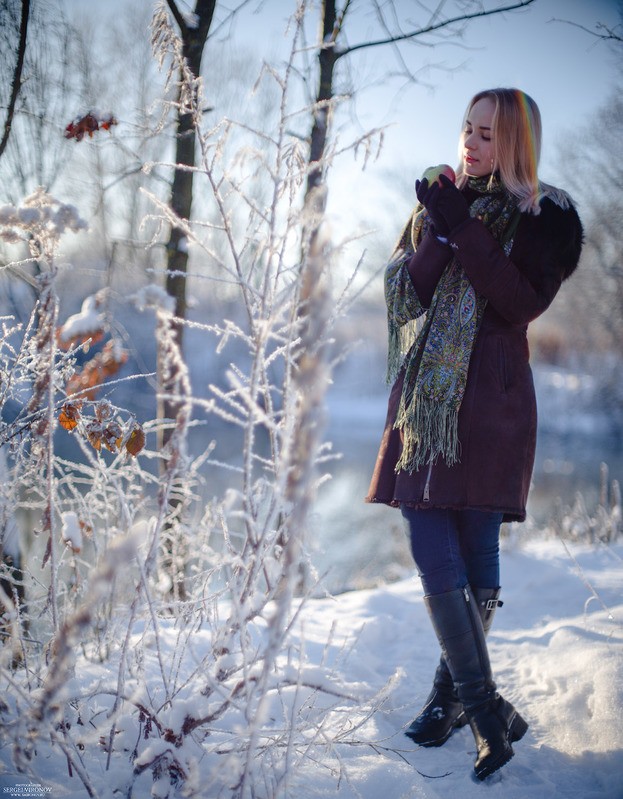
(497, 418)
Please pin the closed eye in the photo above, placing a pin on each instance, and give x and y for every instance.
(484, 135)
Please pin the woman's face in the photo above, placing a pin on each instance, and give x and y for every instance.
(477, 144)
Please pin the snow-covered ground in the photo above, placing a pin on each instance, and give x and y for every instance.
(557, 651)
(556, 648)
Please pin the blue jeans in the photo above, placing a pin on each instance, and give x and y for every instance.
(452, 548)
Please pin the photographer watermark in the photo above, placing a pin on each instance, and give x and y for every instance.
(25, 789)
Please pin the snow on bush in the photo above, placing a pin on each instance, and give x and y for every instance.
(40, 222)
(157, 649)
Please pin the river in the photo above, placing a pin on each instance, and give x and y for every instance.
(356, 544)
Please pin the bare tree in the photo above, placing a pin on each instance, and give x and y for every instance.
(138, 88)
(193, 38)
(589, 318)
(334, 48)
(36, 152)
(611, 34)
(19, 65)
(594, 173)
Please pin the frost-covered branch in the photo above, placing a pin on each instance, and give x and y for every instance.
(220, 568)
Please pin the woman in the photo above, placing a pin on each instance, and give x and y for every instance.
(477, 262)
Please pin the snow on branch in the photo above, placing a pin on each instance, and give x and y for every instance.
(40, 221)
(194, 646)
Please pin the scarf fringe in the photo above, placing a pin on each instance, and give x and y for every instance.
(400, 341)
(429, 430)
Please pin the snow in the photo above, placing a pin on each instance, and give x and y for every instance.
(9, 530)
(558, 661)
(88, 322)
(153, 296)
(40, 216)
(71, 532)
(557, 651)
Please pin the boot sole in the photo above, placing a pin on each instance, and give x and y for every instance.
(517, 728)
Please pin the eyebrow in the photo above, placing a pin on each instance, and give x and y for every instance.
(481, 127)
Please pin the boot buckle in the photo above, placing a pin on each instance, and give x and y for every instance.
(492, 604)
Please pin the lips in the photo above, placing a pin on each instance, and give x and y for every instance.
(470, 160)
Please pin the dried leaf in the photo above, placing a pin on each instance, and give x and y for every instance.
(103, 410)
(69, 416)
(136, 440)
(102, 366)
(86, 340)
(112, 436)
(87, 125)
(94, 433)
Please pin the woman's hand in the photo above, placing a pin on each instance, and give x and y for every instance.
(445, 204)
(451, 204)
(429, 197)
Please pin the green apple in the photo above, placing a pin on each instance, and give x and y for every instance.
(432, 173)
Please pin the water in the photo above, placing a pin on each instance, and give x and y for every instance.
(357, 544)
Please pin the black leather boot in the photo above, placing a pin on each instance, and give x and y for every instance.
(494, 722)
(443, 712)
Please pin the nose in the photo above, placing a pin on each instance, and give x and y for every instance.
(470, 141)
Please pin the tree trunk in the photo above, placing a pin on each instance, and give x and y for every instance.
(17, 75)
(327, 59)
(169, 407)
(193, 41)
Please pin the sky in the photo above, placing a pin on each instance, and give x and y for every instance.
(563, 68)
(566, 70)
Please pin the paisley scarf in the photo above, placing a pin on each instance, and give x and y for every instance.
(435, 354)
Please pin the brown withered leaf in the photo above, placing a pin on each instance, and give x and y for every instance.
(97, 370)
(87, 125)
(94, 434)
(103, 410)
(69, 416)
(136, 440)
(112, 436)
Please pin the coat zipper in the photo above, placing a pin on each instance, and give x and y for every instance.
(426, 497)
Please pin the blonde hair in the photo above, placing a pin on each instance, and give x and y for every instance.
(516, 135)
